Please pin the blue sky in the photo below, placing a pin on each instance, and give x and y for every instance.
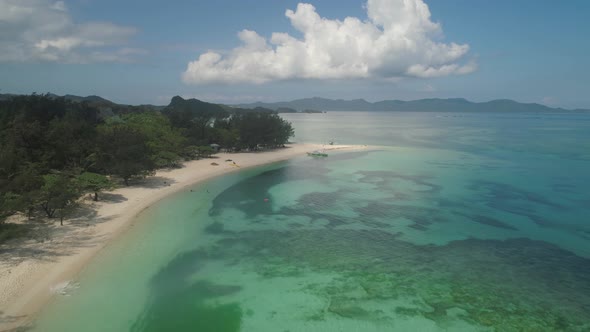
(139, 51)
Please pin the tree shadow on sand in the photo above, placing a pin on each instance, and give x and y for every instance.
(48, 249)
(48, 240)
(153, 182)
(111, 198)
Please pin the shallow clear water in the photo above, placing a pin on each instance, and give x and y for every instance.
(457, 223)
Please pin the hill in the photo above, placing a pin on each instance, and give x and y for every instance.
(421, 105)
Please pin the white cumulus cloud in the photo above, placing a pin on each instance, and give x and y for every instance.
(397, 40)
(43, 30)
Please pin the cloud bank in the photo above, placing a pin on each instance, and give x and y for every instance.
(397, 40)
(43, 30)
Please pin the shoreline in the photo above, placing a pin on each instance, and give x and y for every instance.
(29, 282)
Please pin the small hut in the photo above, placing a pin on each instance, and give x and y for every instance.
(215, 147)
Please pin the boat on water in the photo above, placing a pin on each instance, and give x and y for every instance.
(317, 153)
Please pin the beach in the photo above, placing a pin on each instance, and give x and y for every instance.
(33, 271)
(462, 223)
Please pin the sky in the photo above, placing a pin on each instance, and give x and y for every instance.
(147, 51)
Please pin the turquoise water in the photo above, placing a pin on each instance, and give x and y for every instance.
(454, 223)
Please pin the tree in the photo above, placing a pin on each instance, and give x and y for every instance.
(70, 139)
(204, 152)
(21, 189)
(94, 183)
(123, 151)
(261, 129)
(164, 141)
(52, 149)
(225, 136)
(9, 204)
(195, 117)
(47, 131)
(66, 207)
(58, 194)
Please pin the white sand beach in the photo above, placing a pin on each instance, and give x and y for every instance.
(32, 271)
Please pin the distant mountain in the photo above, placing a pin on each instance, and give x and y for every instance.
(89, 99)
(316, 103)
(319, 105)
(106, 107)
(192, 106)
(422, 105)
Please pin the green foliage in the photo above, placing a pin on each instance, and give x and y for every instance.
(190, 152)
(196, 118)
(19, 191)
(123, 151)
(265, 130)
(205, 123)
(58, 194)
(204, 152)
(69, 141)
(198, 152)
(50, 132)
(184, 112)
(94, 183)
(54, 149)
(228, 138)
(164, 142)
(9, 204)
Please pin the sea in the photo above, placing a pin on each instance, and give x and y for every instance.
(445, 222)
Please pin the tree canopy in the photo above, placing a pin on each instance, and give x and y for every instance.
(53, 150)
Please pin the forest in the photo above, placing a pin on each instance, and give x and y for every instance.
(54, 150)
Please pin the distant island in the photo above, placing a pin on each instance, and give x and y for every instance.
(421, 105)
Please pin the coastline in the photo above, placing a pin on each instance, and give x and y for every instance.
(30, 279)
